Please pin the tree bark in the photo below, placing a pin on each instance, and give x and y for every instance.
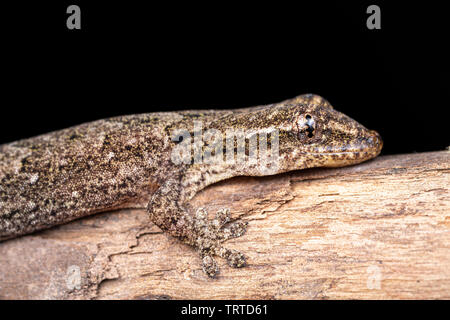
(378, 230)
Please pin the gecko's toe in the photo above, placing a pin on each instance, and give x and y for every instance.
(201, 214)
(223, 216)
(234, 230)
(235, 259)
(210, 266)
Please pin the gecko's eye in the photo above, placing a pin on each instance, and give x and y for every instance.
(306, 127)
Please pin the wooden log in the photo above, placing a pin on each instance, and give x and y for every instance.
(378, 230)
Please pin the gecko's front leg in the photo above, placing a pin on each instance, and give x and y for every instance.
(170, 213)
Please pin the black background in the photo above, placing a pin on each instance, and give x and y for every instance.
(131, 57)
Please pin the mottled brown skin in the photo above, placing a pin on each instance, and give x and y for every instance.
(125, 162)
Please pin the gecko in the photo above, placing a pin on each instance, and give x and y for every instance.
(128, 162)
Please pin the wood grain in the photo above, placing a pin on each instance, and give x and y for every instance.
(378, 230)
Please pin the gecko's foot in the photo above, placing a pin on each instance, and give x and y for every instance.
(211, 234)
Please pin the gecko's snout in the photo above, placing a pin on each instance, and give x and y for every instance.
(374, 142)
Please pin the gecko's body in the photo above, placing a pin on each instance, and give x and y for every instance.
(127, 161)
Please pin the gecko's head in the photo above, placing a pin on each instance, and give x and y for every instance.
(313, 134)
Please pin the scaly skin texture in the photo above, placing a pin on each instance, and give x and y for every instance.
(125, 162)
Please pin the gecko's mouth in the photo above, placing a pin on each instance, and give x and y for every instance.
(363, 148)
